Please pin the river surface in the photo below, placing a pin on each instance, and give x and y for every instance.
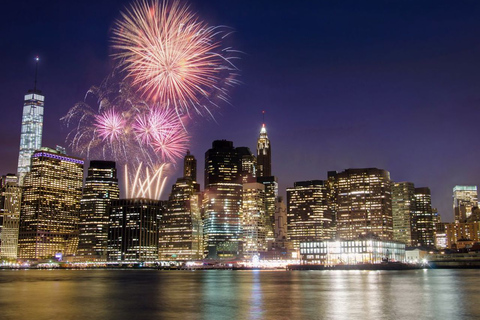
(226, 294)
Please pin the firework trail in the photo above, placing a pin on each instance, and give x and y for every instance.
(172, 57)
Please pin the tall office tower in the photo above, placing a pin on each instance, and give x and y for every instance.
(423, 223)
(364, 201)
(403, 208)
(465, 198)
(271, 195)
(32, 124)
(308, 215)
(248, 164)
(222, 201)
(264, 154)
(10, 200)
(50, 205)
(181, 229)
(280, 231)
(254, 220)
(133, 230)
(101, 187)
(190, 167)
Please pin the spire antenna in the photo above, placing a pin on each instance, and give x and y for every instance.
(263, 115)
(36, 73)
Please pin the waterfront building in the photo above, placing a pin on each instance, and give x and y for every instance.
(364, 203)
(264, 154)
(308, 215)
(351, 252)
(254, 220)
(133, 230)
(50, 205)
(10, 200)
(465, 199)
(422, 220)
(32, 127)
(181, 228)
(461, 235)
(403, 208)
(222, 201)
(101, 187)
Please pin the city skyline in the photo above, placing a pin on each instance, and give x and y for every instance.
(403, 102)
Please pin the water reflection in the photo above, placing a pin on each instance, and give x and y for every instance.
(219, 294)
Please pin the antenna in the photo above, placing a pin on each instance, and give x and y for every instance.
(263, 115)
(36, 72)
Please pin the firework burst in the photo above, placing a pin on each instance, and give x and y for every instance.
(172, 57)
(124, 128)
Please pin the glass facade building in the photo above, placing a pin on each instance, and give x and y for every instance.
(133, 230)
(351, 252)
(101, 187)
(403, 209)
(254, 220)
(465, 198)
(222, 201)
(31, 132)
(50, 205)
(422, 220)
(181, 228)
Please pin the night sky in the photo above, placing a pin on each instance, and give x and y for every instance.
(345, 84)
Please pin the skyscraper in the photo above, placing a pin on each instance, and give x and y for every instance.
(190, 167)
(50, 205)
(465, 198)
(422, 220)
(133, 230)
(264, 154)
(223, 201)
(101, 187)
(271, 195)
(254, 220)
(248, 164)
(181, 228)
(308, 215)
(364, 204)
(10, 198)
(32, 126)
(403, 208)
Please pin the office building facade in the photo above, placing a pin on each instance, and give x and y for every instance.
(308, 215)
(364, 201)
(50, 205)
(101, 187)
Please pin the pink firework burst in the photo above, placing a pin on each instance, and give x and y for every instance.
(110, 125)
(156, 124)
(172, 146)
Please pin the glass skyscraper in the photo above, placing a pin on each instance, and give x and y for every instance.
(465, 198)
(101, 187)
(31, 133)
(223, 201)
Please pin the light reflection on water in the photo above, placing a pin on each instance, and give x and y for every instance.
(223, 294)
